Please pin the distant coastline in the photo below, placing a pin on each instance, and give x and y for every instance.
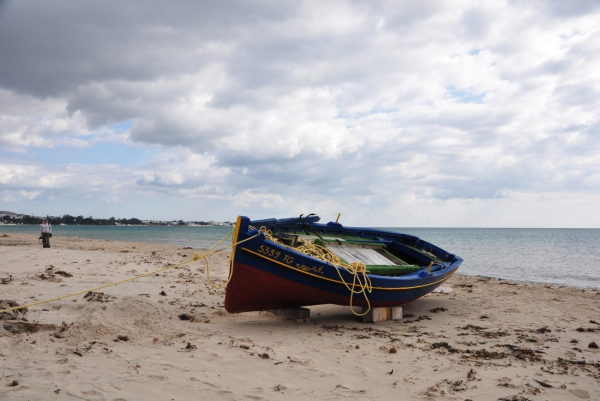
(11, 218)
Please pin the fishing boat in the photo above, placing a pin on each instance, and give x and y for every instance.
(292, 262)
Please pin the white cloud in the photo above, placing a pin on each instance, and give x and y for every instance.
(17, 196)
(352, 106)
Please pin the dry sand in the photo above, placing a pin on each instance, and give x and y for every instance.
(488, 339)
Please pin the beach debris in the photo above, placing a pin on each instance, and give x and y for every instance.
(4, 235)
(529, 389)
(193, 318)
(60, 330)
(63, 273)
(390, 372)
(514, 398)
(92, 344)
(588, 329)
(339, 330)
(446, 346)
(525, 337)
(13, 383)
(294, 359)
(472, 327)
(568, 366)
(594, 322)
(190, 346)
(49, 276)
(543, 384)
(471, 375)
(484, 317)
(408, 315)
(479, 330)
(438, 309)
(136, 367)
(18, 327)
(543, 330)
(593, 345)
(121, 338)
(525, 354)
(574, 341)
(185, 316)
(455, 385)
(98, 297)
(163, 293)
(279, 387)
(57, 391)
(433, 389)
(6, 280)
(12, 315)
(393, 350)
(264, 355)
(443, 290)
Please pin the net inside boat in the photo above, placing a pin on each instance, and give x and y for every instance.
(365, 255)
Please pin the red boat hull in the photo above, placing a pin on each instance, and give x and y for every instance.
(252, 289)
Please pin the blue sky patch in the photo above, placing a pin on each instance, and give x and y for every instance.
(465, 96)
(359, 115)
(122, 126)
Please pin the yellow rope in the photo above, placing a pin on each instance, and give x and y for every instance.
(197, 256)
(231, 270)
(358, 270)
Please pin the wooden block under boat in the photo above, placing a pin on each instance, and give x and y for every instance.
(382, 314)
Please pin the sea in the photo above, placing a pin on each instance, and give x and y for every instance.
(562, 256)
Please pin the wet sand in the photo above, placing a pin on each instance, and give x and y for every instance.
(168, 337)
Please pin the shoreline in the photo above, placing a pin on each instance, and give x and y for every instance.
(486, 339)
(31, 239)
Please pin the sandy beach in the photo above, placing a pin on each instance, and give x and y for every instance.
(168, 337)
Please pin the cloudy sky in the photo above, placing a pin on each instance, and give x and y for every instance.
(394, 113)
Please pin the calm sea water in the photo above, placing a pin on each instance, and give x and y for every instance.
(559, 256)
(196, 237)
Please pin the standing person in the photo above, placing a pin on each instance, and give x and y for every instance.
(46, 233)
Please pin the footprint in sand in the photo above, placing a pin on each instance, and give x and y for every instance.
(158, 378)
(580, 393)
(87, 391)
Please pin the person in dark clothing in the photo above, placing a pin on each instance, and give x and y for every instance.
(45, 233)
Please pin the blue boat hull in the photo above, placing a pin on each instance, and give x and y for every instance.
(266, 275)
